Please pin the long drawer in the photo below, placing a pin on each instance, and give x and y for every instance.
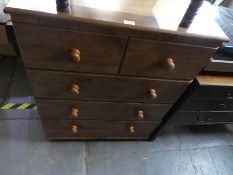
(93, 110)
(60, 49)
(213, 87)
(64, 129)
(208, 105)
(61, 85)
(150, 58)
(197, 118)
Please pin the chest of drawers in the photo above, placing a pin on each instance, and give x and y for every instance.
(106, 74)
(210, 102)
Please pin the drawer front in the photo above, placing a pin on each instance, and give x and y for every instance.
(50, 48)
(220, 66)
(63, 129)
(215, 87)
(196, 118)
(214, 92)
(164, 60)
(60, 85)
(91, 110)
(208, 105)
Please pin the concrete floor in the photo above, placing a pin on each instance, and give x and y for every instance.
(206, 150)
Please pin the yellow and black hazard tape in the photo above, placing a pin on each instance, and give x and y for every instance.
(20, 106)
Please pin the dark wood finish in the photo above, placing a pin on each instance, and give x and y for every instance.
(220, 66)
(56, 85)
(148, 58)
(61, 129)
(41, 47)
(197, 118)
(152, 19)
(64, 51)
(7, 50)
(91, 110)
(220, 87)
(122, 29)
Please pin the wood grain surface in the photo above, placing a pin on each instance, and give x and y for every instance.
(96, 110)
(57, 85)
(61, 129)
(147, 58)
(49, 48)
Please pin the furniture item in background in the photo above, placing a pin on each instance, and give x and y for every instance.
(112, 70)
(209, 101)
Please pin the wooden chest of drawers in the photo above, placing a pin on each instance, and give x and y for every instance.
(105, 74)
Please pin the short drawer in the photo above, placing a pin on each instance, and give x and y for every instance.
(214, 92)
(215, 87)
(61, 85)
(197, 118)
(164, 60)
(63, 129)
(208, 105)
(91, 110)
(217, 65)
(60, 49)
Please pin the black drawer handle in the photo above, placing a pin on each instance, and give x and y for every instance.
(229, 95)
(219, 106)
(201, 119)
(204, 119)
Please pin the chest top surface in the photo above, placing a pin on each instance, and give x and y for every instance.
(162, 15)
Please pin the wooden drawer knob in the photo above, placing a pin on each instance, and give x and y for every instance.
(170, 63)
(75, 55)
(74, 112)
(140, 114)
(74, 89)
(131, 129)
(153, 93)
(74, 129)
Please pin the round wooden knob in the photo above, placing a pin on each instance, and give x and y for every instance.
(74, 129)
(74, 112)
(140, 114)
(74, 89)
(153, 93)
(75, 55)
(131, 129)
(170, 64)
